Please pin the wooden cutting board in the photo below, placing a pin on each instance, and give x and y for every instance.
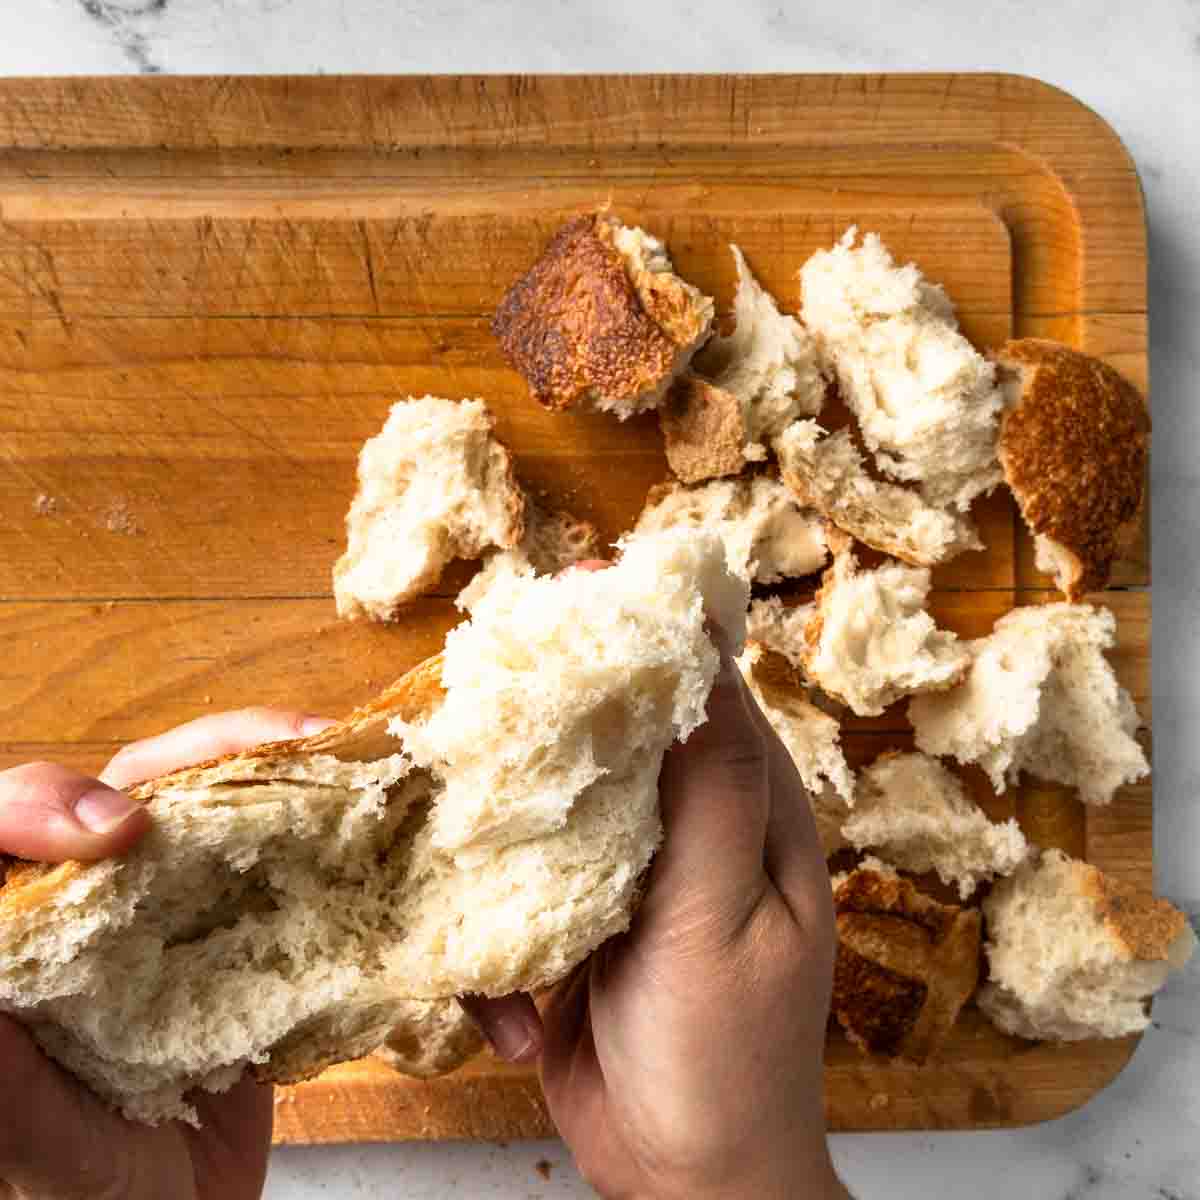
(212, 289)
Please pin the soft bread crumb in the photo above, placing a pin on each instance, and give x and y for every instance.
(827, 473)
(433, 485)
(1073, 954)
(780, 629)
(926, 401)
(869, 640)
(430, 1038)
(918, 816)
(768, 537)
(1040, 697)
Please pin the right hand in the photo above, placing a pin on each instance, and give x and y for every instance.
(685, 1058)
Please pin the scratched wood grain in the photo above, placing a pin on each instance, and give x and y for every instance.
(212, 289)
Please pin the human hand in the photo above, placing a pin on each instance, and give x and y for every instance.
(57, 1140)
(685, 1058)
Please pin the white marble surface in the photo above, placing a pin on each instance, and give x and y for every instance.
(1139, 66)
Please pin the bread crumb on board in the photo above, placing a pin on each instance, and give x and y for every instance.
(880, 1100)
(118, 519)
(45, 505)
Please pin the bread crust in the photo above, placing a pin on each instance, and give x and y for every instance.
(577, 324)
(905, 965)
(1074, 449)
(704, 430)
(1144, 926)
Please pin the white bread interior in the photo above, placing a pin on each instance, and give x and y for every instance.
(1040, 697)
(1072, 955)
(870, 641)
(768, 536)
(433, 485)
(926, 401)
(827, 473)
(917, 816)
(430, 1038)
(289, 902)
(769, 362)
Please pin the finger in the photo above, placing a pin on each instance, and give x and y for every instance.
(231, 1146)
(510, 1023)
(715, 801)
(205, 738)
(49, 813)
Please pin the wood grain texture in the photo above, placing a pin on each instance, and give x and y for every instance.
(212, 289)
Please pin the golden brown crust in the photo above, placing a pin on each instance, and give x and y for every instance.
(1074, 450)
(575, 325)
(905, 965)
(1144, 925)
(704, 430)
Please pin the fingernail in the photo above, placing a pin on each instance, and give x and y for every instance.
(102, 809)
(511, 1036)
(311, 725)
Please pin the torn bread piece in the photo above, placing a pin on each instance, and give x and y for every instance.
(1040, 697)
(780, 628)
(905, 964)
(768, 536)
(289, 902)
(755, 382)
(433, 485)
(869, 640)
(917, 815)
(1074, 954)
(926, 400)
(1074, 445)
(827, 473)
(553, 540)
(602, 319)
(812, 739)
(432, 1037)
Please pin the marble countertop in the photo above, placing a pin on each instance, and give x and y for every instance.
(1136, 64)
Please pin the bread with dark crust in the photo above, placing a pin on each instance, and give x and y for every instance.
(587, 323)
(905, 964)
(1074, 447)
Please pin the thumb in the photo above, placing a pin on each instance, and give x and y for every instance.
(49, 814)
(715, 801)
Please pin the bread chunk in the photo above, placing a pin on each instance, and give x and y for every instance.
(602, 319)
(1074, 445)
(433, 485)
(432, 1037)
(827, 473)
(926, 401)
(481, 827)
(905, 964)
(812, 739)
(870, 642)
(754, 383)
(1073, 954)
(1040, 697)
(916, 815)
(768, 537)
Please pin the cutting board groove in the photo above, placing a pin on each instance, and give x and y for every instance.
(212, 289)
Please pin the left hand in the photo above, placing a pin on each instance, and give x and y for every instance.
(57, 1140)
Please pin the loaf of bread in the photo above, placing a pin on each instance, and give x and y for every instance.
(1073, 954)
(433, 485)
(290, 902)
(916, 815)
(768, 536)
(905, 964)
(748, 387)
(926, 401)
(827, 473)
(869, 641)
(1040, 697)
(602, 319)
(1074, 445)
